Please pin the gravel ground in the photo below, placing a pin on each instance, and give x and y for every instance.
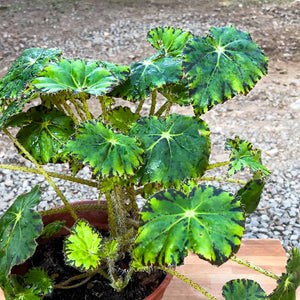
(268, 116)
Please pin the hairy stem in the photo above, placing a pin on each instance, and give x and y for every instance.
(140, 106)
(189, 282)
(223, 179)
(218, 164)
(153, 103)
(103, 108)
(79, 108)
(43, 172)
(86, 108)
(69, 111)
(111, 216)
(254, 267)
(162, 109)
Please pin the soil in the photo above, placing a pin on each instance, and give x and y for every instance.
(49, 256)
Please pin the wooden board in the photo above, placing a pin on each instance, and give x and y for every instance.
(267, 254)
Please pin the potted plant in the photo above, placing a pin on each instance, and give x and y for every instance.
(138, 151)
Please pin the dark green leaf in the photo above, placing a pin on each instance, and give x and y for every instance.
(108, 153)
(245, 289)
(243, 155)
(221, 65)
(25, 68)
(209, 221)
(52, 228)
(171, 40)
(48, 130)
(19, 227)
(251, 192)
(39, 280)
(176, 148)
(149, 74)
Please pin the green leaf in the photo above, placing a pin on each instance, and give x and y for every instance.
(39, 280)
(171, 40)
(222, 65)
(109, 249)
(108, 153)
(289, 281)
(243, 155)
(246, 289)
(122, 117)
(149, 74)
(48, 130)
(176, 148)
(249, 195)
(209, 222)
(19, 227)
(121, 73)
(81, 247)
(52, 228)
(76, 75)
(25, 68)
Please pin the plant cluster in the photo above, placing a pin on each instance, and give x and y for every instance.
(136, 149)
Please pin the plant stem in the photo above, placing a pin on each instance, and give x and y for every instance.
(189, 282)
(111, 216)
(162, 109)
(52, 174)
(69, 110)
(153, 103)
(223, 179)
(44, 173)
(86, 108)
(254, 267)
(79, 108)
(218, 164)
(140, 106)
(103, 108)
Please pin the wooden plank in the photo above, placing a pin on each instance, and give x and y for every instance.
(267, 254)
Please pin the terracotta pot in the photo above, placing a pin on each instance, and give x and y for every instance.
(97, 218)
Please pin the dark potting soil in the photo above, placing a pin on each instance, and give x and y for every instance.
(49, 256)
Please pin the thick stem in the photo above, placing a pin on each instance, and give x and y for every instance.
(218, 164)
(79, 108)
(153, 103)
(86, 108)
(223, 179)
(103, 108)
(254, 267)
(140, 106)
(44, 173)
(189, 282)
(111, 216)
(69, 111)
(162, 109)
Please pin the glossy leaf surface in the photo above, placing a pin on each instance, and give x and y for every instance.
(25, 69)
(47, 131)
(209, 222)
(77, 76)
(171, 40)
(108, 153)
(81, 247)
(176, 148)
(221, 65)
(247, 289)
(149, 74)
(19, 227)
(243, 155)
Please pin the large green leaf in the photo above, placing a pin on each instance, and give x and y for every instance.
(76, 75)
(81, 247)
(209, 221)
(243, 155)
(149, 74)
(245, 289)
(289, 281)
(221, 65)
(47, 131)
(108, 153)
(25, 68)
(176, 148)
(171, 40)
(19, 227)
(119, 72)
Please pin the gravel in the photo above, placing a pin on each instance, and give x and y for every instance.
(268, 117)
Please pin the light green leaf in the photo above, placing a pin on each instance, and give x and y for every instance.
(19, 227)
(25, 68)
(121, 73)
(47, 131)
(243, 155)
(81, 247)
(109, 249)
(76, 76)
(209, 222)
(245, 289)
(108, 153)
(176, 148)
(171, 40)
(221, 65)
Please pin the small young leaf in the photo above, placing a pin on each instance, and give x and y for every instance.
(52, 228)
(289, 281)
(176, 148)
(109, 249)
(108, 153)
(251, 192)
(221, 65)
(246, 289)
(19, 227)
(39, 279)
(171, 40)
(209, 222)
(48, 130)
(243, 155)
(82, 246)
